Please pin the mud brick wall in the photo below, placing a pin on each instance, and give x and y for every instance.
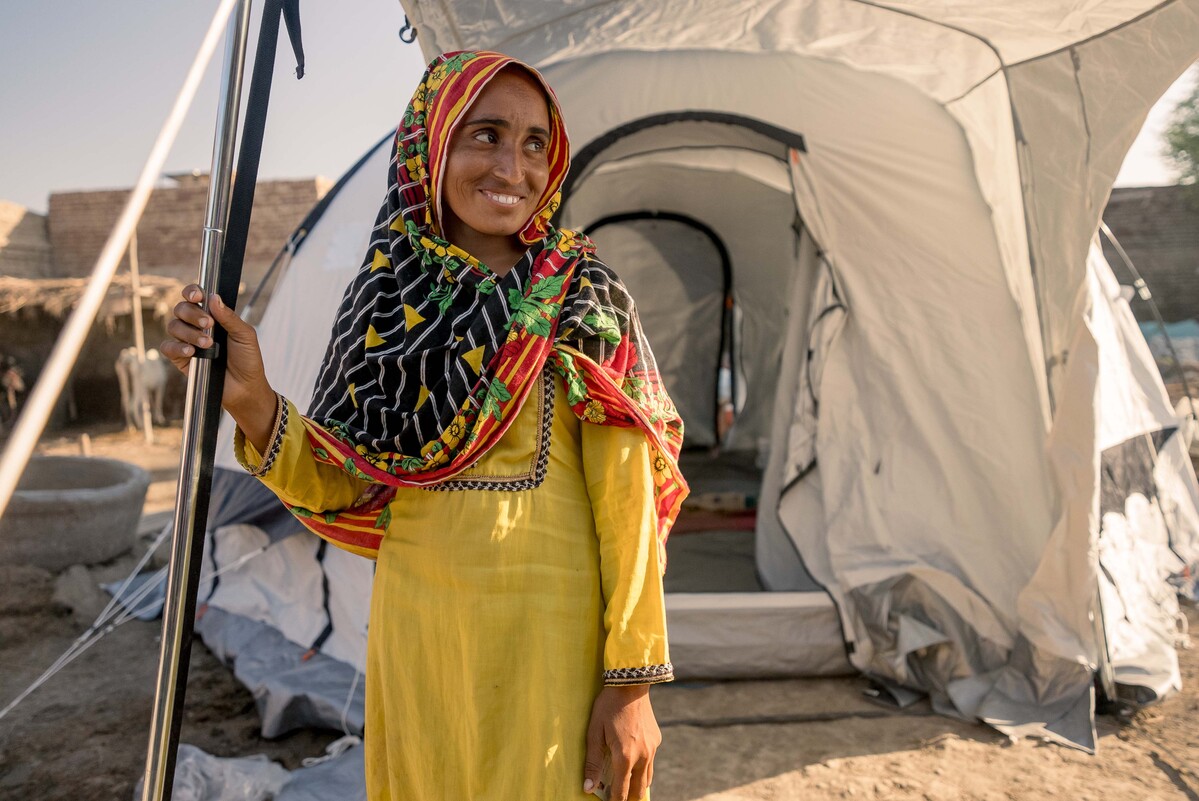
(169, 234)
(1159, 228)
(24, 242)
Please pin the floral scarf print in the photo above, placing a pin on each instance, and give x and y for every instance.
(432, 354)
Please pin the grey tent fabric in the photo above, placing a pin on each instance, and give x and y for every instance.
(292, 688)
(342, 778)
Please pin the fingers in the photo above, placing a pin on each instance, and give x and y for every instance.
(593, 763)
(189, 329)
(227, 317)
(622, 778)
(176, 353)
(639, 780)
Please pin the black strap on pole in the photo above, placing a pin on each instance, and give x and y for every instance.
(291, 17)
(228, 281)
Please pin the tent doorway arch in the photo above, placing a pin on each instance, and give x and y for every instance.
(735, 184)
(735, 181)
(677, 256)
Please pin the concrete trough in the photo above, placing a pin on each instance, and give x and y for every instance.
(71, 510)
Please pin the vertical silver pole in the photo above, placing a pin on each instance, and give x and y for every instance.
(176, 628)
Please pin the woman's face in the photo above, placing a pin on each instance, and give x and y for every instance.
(498, 165)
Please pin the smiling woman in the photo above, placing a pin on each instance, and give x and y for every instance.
(517, 615)
(497, 169)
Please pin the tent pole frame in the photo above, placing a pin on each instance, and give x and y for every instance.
(184, 574)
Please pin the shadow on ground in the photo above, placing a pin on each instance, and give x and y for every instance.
(722, 736)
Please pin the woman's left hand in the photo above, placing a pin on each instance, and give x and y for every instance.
(622, 722)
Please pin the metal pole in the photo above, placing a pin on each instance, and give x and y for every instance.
(1144, 294)
(139, 337)
(66, 350)
(179, 606)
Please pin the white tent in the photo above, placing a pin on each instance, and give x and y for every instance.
(880, 217)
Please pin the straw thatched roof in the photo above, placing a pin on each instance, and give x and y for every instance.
(58, 296)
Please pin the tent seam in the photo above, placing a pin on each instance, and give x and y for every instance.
(998, 70)
(1148, 13)
(1004, 65)
(946, 25)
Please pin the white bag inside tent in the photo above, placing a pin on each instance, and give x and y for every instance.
(905, 195)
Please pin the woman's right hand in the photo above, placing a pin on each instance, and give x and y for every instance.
(247, 395)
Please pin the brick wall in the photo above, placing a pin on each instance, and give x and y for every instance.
(169, 234)
(24, 242)
(1159, 228)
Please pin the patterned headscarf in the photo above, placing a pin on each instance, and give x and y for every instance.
(432, 354)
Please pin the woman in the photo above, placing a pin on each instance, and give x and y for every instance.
(489, 425)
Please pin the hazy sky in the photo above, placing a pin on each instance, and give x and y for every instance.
(87, 84)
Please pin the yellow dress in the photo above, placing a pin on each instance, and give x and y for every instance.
(503, 600)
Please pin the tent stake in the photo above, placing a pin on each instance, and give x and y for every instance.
(188, 537)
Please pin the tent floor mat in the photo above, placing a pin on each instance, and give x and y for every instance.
(711, 561)
(713, 551)
(725, 471)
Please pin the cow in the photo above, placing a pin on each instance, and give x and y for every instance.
(139, 382)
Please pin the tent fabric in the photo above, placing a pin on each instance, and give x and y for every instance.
(934, 365)
(342, 777)
(756, 635)
(943, 48)
(990, 174)
(300, 319)
(292, 688)
(1131, 395)
(686, 335)
(781, 564)
(674, 169)
(297, 585)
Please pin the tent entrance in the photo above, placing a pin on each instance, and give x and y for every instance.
(699, 219)
(678, 270)
(678, 258)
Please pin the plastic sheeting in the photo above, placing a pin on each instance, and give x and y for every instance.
(202, 777)
(1142, 538)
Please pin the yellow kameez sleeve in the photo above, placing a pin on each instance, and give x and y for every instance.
(620, 484)
(293, 472)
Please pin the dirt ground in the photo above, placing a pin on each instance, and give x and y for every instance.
(82, 736)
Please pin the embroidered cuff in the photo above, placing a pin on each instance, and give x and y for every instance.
(650, 674)
(276, 440)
